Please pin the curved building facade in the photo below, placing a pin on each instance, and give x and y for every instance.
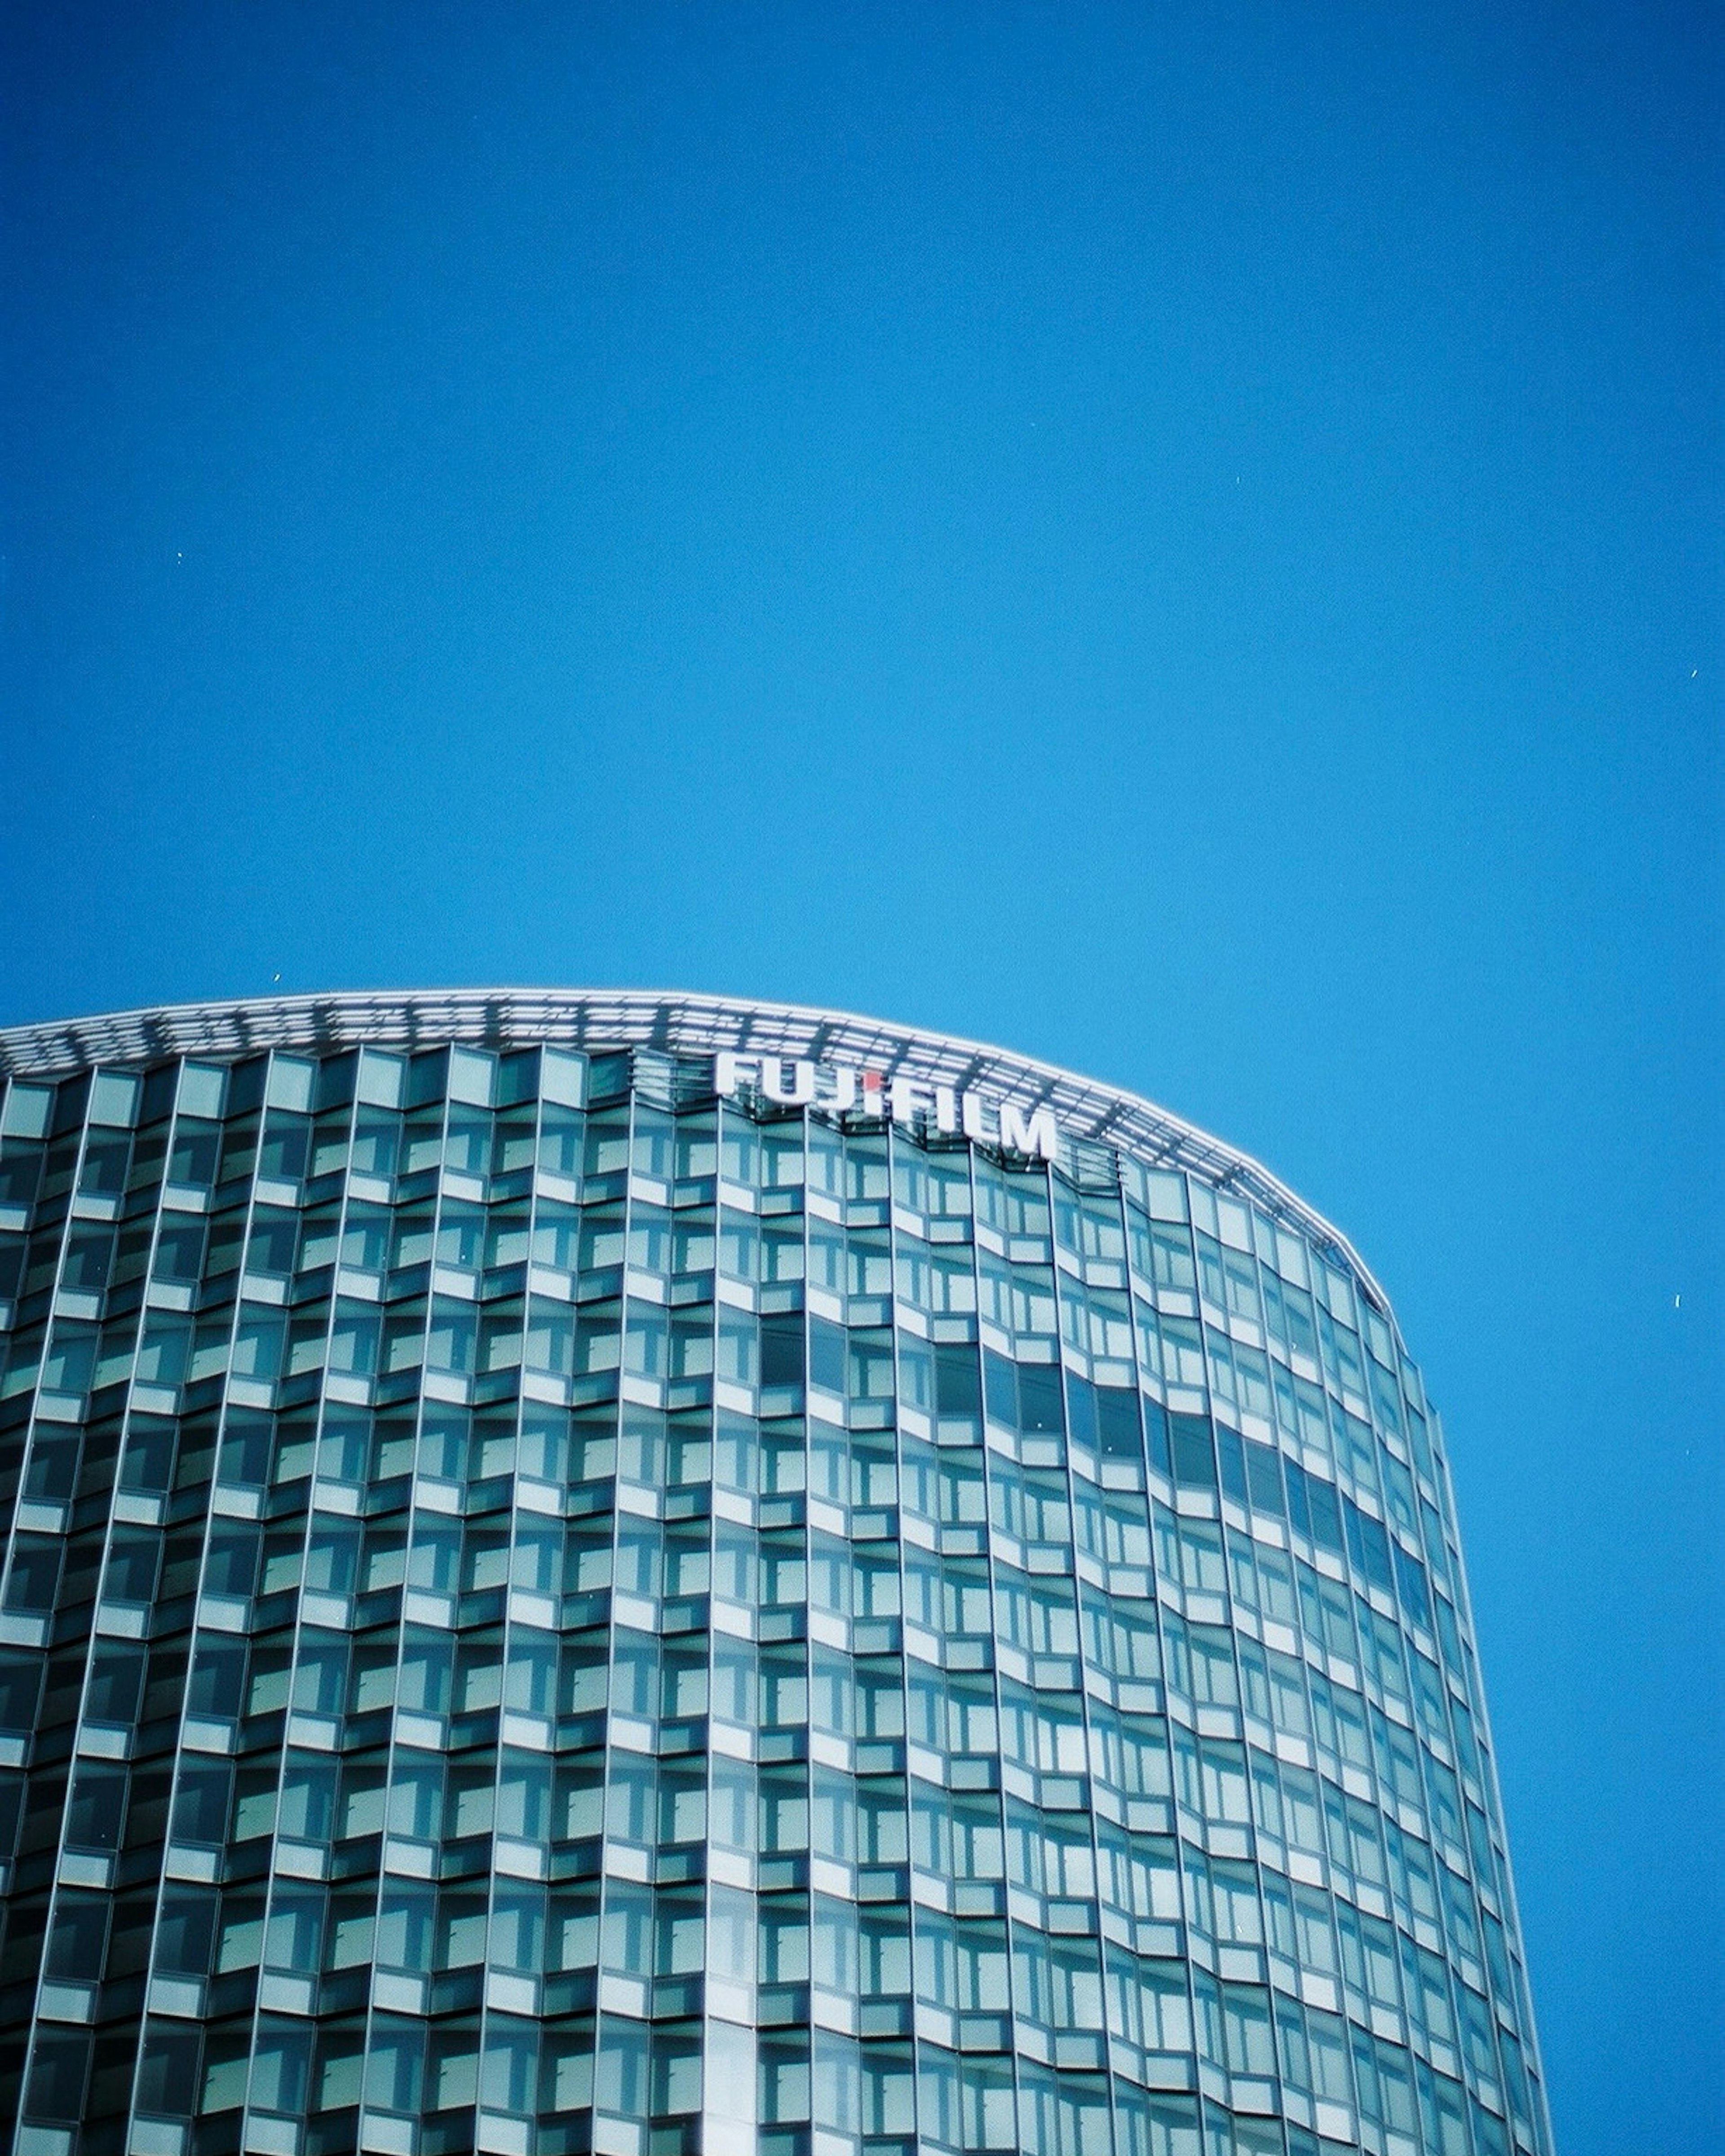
(647, 1574)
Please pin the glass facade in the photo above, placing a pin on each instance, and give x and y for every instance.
(548, 1606)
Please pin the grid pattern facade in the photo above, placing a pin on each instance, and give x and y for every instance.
(547, 1611)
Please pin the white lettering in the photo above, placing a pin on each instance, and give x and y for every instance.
(1037, 1136)
(838, 1088)
(976, 1119)
(800, 1092)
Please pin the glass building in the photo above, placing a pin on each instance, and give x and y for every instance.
(648, 1574)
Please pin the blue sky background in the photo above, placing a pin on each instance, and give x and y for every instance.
(1181, 539)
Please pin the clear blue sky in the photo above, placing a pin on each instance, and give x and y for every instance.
(1185, 540)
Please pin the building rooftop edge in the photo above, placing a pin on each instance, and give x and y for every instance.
(685, 1022)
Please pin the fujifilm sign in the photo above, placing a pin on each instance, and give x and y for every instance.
(836, 1088)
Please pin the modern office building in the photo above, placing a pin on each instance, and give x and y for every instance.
(652, 1575)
